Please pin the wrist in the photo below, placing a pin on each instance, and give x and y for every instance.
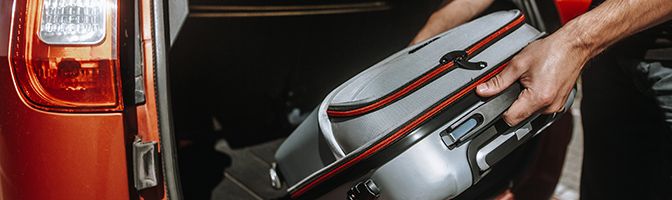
(583, 37)
(577, 41)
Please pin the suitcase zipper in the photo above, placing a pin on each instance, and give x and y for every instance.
(445, 66)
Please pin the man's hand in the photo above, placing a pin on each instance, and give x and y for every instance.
(547, 69)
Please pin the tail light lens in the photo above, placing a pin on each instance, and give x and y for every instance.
(64, 54)
(570, 9)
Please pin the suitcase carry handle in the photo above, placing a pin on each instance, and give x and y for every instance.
(495, 143)
(504, 144)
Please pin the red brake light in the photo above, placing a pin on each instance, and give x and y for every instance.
(569, 9)
(64, 54)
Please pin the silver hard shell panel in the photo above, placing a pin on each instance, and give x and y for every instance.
(428, 170)
(303, 152)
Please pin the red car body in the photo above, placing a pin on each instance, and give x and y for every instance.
(78, 155)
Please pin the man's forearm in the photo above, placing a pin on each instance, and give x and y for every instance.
(614, 20)
(451, 14)
(457, 12)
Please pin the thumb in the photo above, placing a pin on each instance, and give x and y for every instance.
(498, 83)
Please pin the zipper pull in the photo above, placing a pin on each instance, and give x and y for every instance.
(460, 58)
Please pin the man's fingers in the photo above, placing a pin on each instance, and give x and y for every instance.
(498, 83)
(528, 103)
(558, 104)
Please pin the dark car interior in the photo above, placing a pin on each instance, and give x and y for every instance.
(244, 73)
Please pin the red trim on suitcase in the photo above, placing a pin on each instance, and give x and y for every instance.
(424, 79)
(396, 135)
(493, 36)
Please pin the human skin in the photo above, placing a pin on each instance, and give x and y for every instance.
(451, 14)
(548, 68)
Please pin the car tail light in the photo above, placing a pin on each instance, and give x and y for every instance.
(64, 54)
(570, 9)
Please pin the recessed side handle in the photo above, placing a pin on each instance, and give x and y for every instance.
(499, 140)
(501, 146)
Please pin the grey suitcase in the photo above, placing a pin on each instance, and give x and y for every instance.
(411, 126)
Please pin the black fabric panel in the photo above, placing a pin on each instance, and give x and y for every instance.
(624, 135)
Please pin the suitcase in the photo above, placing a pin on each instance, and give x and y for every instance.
(412, 126)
